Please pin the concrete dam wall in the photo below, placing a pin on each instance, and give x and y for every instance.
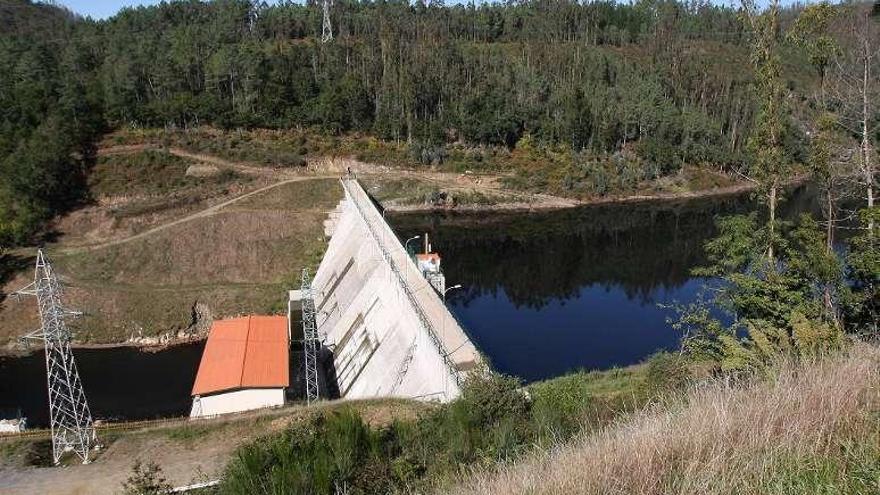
(391, 334)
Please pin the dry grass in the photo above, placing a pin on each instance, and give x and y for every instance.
(233, 262)
(186, 452)
(809, 429)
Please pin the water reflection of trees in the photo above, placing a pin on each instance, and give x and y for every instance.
(539, 257)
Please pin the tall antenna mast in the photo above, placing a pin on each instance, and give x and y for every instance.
(310, 338)
(326, 28)
(70, 417)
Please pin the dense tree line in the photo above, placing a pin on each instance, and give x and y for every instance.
(50, 112)
(638, 89)
(596, 75)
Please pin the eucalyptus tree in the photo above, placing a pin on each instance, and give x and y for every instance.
(771, 165)
(812, 33)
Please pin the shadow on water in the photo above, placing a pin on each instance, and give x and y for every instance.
(120, 382)
(549, 292)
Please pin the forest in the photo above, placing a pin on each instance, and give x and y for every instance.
(638, 89)
(612, 93)
(622, 92)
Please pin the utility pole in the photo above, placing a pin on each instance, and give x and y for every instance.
(310, 338)
(70, 417)
(326, 28)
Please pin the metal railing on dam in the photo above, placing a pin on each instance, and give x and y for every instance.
(381, 234)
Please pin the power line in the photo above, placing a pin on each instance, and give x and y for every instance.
(326, 28)
(310, 338)
(70, 417)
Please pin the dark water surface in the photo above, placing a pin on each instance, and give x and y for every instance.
(550, 292)
(120, 382)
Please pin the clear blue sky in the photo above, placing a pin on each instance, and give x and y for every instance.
(102, 9)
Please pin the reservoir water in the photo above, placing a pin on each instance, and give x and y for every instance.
(589, 288)
(120, 382)
(543, 293)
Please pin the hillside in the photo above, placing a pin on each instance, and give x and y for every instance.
(186, 452)
(160, 252)
(183, 227)
(578, 100)
(806, 429)
(177, 163)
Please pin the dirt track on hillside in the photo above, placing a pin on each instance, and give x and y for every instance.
(199, 214)
(330, 168)
(326, 168)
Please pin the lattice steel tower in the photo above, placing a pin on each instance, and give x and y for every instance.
(326, 28)
(310, 338)
(69, 414)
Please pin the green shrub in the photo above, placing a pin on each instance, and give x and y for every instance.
(146, 479)
(323, 456)
(494, 419)
(666, 371)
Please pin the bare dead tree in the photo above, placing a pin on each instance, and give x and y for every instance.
(856, 87)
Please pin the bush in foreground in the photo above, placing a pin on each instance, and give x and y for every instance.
(494, 420)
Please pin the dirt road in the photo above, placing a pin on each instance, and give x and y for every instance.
(190, 453)
(199, 214)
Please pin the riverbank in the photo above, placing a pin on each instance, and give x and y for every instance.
(162, 248)
(11, 350)
(128, 287)
(809, 427)
(551, 203)
(186, 450)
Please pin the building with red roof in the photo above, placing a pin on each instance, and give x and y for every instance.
(245, 365)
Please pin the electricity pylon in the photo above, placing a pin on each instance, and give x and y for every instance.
(310, 338)
(69, 414)
(326, 28)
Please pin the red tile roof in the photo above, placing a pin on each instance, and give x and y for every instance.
(248, 352)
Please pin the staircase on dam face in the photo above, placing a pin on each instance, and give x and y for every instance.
(333, 218)
(390, 332)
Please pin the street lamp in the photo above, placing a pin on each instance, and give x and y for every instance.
(443, 324)
(406, 244)
(456, 286)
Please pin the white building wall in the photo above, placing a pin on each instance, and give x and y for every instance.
(236, 401)
(12, 425)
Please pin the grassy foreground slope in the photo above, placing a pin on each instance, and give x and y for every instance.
(810, 428)
(185, 451)
(806, 427)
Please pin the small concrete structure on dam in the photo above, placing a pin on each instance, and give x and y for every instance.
(389, 331)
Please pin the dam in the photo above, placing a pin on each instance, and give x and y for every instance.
(560, 299)
(387, 327)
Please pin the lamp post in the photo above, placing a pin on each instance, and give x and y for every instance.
(406, 244)
(456, 286)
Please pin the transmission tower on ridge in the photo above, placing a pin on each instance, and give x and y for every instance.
(69, 414)
(310, 338)
(326, 28)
